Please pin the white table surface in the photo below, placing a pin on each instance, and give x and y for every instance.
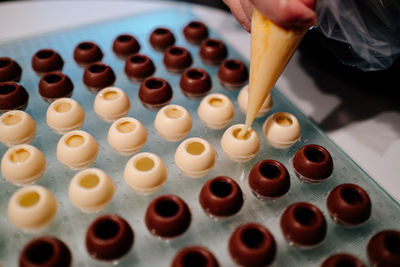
(373, 142)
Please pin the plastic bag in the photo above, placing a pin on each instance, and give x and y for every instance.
(370, 27)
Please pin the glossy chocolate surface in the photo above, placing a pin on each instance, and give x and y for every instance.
(167, 216)
(195, 82)
(47, 60)
(383, 249)
(12, 96)
(55, 85)
(342, 260)
(303, 224)
(138, 67)
(269, 179)
(213, 51)
(194, 256)
(233, 73)
(98, 76)
(221, 197)
(312, 163)
(45, 251)
(177, 59)
(349, 204)
(195, 32)
(161, 39)
(86, 53)
(9, 70)
(155, 92)
(125, 45)
(251, 244)
(109, 237)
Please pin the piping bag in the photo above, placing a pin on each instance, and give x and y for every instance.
(271, 48)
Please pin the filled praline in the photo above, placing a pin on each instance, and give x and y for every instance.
(221, 197)
(194, 256)
(12, 96)
(195, 83)
(167, 216)
(269, 179)
(383, 249)
(45, 251)
(303, 225)
(54, 85)
(161, 39)
(195, 32)
(109, 238)
(213, 51)
(312, 164)
(98, 76)
(349, 204)
(177, 59)
(9, 70)
(46, 60)
(86, 53)
(342, 260)
(252, 244)
(155, 92)
(125, 45)
(138, 67)
(232, 74)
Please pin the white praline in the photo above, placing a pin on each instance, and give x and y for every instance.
(243, 99)
(91, 190)
(195, 157)
(240, 149)
(64, 115)
(216, 111)
(32, 208)
(145, 173)
(23, 164)
(77, 150)
(173, 123)
(127, 136)
(111, 103)
(16, 127)
(281, 130)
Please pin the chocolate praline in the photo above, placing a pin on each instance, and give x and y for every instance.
(232, 73)
(213, 51)
(303, 224)
(269, 179)
(161, 39)
(167, 216)
(195, 83)
(195, 32)
(12, 96)
(312, 164)
(138, 67)
(194, 256)
(177, 59)
(349, 204)
(86, 53)
(46, 60)
(98, 76)
(342, 260)
(109, 237)
(383, 249)
(125, 45)
(54, 85)
(9, 70)
(252, 245)
(221, 197)
(45, 251)
(155, 92)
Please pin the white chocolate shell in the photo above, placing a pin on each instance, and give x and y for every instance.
(111, 103)
(173, 123)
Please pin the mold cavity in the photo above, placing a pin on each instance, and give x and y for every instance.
(4, 62)
(232, 65)
(85, 46)
(221, 188)
(252, 238)
(89, 181)
(392, 244)
(216, 102)
(173, 113)
(111, 95)
(351, 196)
(20, 155)
(270, 171)
(212, 43)
(106, 229)
(126, 127)
(194, 259)
(176, 51)
(75, 140)
(12, 119)
(283, 120)
(144, 164)
(195, 148)
(195, 75)
(195, 25)
(315, 155)
(40, 252)
(161, 31)
(29, 199)
(124, 38)
(52, 78)
(63, 107)
(166, 208)
(138, 60)
(154, 84)
(7, 88)
(97, 68)
(43, 54)
(305, 216)
(236, 132)
(345, 263)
